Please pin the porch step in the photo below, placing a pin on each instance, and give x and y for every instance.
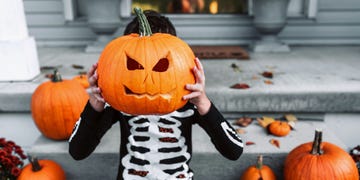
(206, 161)
(308, 79)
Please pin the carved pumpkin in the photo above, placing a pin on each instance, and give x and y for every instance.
(56, 106)
(42, 170)
(319, 160)
(82, 79)
(279, 128)
(258, 171)
(146, 73)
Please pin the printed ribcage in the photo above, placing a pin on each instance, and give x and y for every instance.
(156, 148)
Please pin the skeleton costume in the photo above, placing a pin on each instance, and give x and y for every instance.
(154, 146)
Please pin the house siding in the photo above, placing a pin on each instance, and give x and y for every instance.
(335, 23)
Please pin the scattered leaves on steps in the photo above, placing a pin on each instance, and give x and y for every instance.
(265, 121)
(240, 86)
(267, 74)
(248, 143)
(275, 142)
(243, 121)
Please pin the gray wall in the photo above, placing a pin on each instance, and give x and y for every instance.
(337, 22)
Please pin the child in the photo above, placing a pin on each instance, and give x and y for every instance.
(154, 146)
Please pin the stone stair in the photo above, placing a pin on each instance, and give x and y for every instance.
(207, 163)
(310, 82)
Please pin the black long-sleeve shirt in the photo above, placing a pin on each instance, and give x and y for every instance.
(154, 146)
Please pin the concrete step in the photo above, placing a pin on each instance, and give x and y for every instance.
(308, 79)
(206, 161)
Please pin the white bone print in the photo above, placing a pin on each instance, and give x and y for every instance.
(156, 148)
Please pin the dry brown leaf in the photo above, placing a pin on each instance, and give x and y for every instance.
(254, 77)
(235, 67)
(248, 143)
(49, 76)
(76, 66)
(275, 142)
(243, 121)
(267, 74)
(290, 117)
(265, 121)
(240, 86)
(268, 82)
(240, 131)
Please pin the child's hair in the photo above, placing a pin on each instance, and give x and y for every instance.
(158, 24)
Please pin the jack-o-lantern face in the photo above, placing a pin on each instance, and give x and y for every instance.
(146, 75)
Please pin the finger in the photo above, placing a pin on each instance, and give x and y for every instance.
(200, 78)
(93, 79)
(92, 70)
(193, 87)
(99, 98)
(191, 95)
(199, 65)
(95, 90)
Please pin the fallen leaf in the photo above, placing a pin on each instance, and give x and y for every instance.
(82, 73)
(275, 142)
(265, 121)
(243, 121)
(267, 74)
(290, 117)
(50, 67)
(76, 66)
(240, 86)
(254, 77)
(240, 131)
(235, 67)
(248, 143)
(268, 82)
(50, 76)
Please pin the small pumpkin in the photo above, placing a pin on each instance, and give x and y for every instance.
(279, 128)
(145, 73)
(82, 79)
(44, 169)
(258, 171)
(56, 106)
(319, 160)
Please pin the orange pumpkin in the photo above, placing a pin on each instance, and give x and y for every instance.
(279, 128)
(145, 73)
(56, 106)
(82, 79)
(42, 170)
(319, 160)
(258, 171)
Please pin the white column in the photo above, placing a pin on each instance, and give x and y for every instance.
(18, 53)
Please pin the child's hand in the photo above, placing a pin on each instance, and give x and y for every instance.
(198, 96)
(96, 100)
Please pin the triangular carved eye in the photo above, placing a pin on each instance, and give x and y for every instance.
(162, 65)
(132, 64)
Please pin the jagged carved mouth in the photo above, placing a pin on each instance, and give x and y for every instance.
(128, 91)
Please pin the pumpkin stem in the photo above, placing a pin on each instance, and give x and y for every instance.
(316, 150)
(259, 165)
(56, 76)
(144, 26)
(35, 164)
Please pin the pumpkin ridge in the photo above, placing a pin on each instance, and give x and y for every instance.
(180, 63)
